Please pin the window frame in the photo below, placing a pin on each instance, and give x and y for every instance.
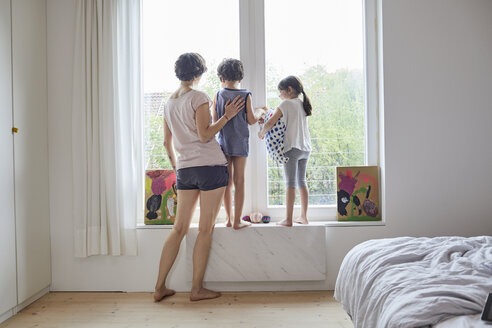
(252, 53)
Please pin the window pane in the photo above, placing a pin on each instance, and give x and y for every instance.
(321, 42)
(170, 28)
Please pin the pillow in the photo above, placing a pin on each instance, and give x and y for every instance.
(274, 139)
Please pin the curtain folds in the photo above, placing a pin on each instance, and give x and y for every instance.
(107, 132)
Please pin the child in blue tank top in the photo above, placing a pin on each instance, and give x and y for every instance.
(234, 136)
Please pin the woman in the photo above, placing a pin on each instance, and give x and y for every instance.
(201, 170)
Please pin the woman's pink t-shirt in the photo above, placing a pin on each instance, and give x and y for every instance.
(179, 114)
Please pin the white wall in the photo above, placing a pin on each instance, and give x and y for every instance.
(436, 116)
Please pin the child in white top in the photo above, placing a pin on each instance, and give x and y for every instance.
(297, 143)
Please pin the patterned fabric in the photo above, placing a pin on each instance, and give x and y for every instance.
(274, 140)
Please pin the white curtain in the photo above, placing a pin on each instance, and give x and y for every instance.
(107, 133)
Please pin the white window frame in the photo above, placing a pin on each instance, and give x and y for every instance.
(252, 53)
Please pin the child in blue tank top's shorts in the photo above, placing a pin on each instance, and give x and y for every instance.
(234, 136)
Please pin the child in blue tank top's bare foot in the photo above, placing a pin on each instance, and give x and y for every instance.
(234, 137)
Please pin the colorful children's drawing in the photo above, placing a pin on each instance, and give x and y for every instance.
(358, 193)
(161, 198)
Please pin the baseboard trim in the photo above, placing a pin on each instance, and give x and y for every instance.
(7, 315)
(32, 299)
(16, 309)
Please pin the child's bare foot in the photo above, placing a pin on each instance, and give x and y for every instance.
(301, 220)
(163, 292)
(203, 294)
(241, 225)
(285, 223)
(228, 223)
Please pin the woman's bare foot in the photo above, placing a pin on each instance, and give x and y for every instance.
(161, 293)
(285, 223)
(203, 294)
(241, 225)
(301, 220)
(228, 223)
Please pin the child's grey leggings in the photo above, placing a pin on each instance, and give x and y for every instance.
(295, 168)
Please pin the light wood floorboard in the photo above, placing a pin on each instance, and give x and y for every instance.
(132, 310)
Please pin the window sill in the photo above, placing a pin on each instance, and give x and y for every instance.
(273, 225)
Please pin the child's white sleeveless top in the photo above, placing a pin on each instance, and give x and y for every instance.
(297, 130)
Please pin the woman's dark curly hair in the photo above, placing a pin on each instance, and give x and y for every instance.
(189, 66)
(230, 70)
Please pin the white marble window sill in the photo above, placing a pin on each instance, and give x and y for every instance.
(273, 225)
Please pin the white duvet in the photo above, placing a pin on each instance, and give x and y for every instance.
(414, 282)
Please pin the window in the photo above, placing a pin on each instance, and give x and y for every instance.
(166, 35)
(326, 43)
(321, 43)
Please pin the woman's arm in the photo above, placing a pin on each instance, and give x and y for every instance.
(207, 130)
(271, 122)
(168, 144)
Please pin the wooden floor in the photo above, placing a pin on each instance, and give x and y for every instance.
(132, 310)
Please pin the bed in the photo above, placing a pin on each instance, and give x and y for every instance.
(441, 282)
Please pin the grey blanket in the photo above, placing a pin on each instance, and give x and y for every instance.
(415, 282)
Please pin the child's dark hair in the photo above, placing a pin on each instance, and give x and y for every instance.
(189, 66)
(296, 84)
(230, 70)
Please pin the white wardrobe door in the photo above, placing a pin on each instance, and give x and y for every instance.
(8, 294)
(31, 146)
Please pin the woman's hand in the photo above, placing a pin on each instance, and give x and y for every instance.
(233, 107)
(261, 134)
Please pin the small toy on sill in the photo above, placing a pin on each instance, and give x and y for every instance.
(256, 217)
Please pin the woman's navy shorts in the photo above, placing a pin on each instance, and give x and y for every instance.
(202, 177)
